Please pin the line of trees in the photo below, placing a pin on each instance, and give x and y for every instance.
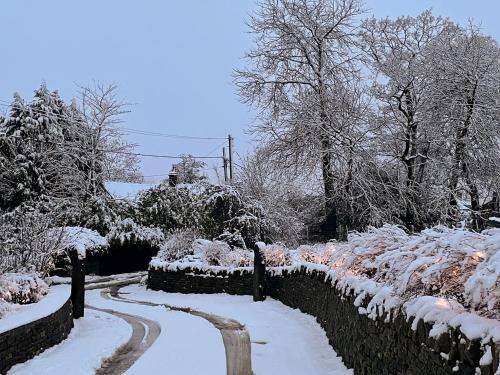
(398, 119)
(55, 156)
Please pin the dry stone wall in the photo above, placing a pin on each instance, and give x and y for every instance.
(25, 342)
(371, 347)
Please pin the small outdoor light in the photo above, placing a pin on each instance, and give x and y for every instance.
(172, 178)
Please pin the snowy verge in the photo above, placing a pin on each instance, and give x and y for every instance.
(19, 315)
(94, 338)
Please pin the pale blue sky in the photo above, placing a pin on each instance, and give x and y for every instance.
(173, 59)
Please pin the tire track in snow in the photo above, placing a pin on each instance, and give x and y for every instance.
(234, 335)
(144, 334)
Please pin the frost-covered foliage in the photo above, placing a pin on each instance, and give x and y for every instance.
(21, 288)
(199, 253)
(276, 255)
(83, 240)
(27, 243)
(233, 239)
(178, 245)
(128, 231)
(440, 262)
(318, 253)
(226, 211)
(168, 208)
(97, 213)
(219, 253)
(215, 211)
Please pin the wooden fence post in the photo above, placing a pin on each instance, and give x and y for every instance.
(259, 275)
(77, 284)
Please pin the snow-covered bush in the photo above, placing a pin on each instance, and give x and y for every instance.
(97, 213)
(247, 225)
(128, 231)
(235, 239)
(239, 258)
(320, 254)
(83, 240)
(168, 208)
(4, 307)
(22, 288)
(440, 261)
(225, 211)
(27, 243)
(276, 255)
(215, 253)
(178, 245)
(219, 253)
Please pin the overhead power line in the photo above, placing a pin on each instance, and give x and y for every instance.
(159, 156)
(177, 136)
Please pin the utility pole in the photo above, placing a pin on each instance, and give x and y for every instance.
(230, 139)
(224, 159)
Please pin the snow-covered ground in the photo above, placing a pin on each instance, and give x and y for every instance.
(94, 337)
(284, 341)
(186, 345)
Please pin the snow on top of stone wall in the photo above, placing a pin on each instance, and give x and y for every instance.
(19, 315)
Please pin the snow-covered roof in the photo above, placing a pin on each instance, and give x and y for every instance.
(126, 190)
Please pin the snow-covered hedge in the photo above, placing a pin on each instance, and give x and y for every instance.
(442, 262)
(319, 253)
(178, 245)
(276, 255)
(219, 253)
(200, 253)
(27, 242)
(453, 267)
(83, 240)
(21, 288)
(128, 231)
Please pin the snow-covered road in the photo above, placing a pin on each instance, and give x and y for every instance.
(283, 340)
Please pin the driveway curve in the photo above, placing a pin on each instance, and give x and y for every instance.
(234, 335)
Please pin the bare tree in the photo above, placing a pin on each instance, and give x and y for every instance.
(301, 64)
(397, 52)
(466, 92)
(107, 154)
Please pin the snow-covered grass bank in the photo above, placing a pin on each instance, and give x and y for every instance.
(93, 338)
(284, 341)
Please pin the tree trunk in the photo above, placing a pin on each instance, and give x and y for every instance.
(459, 165)
(330, 224)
